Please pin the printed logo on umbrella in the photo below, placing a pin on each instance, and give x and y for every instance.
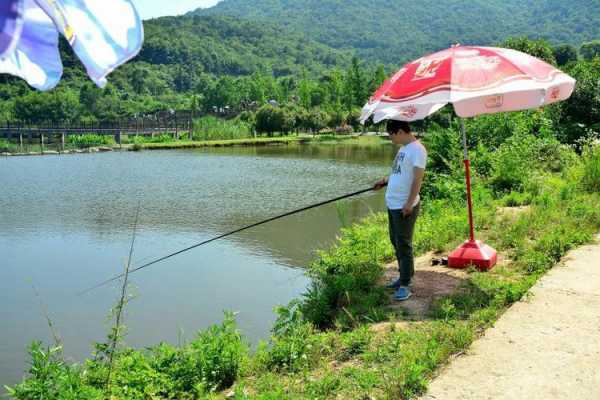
(494, 101)
(408, 111)
(428, 68)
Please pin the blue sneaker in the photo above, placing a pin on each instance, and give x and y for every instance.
(393, 285)
(403, 293)
(396, 284)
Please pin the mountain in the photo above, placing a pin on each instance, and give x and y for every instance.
(394, 31)
(223, 45)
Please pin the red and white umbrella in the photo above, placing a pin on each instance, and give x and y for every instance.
(476, 80)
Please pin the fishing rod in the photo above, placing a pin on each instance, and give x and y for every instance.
(287, 214)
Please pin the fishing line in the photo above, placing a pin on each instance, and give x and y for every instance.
(287, 214)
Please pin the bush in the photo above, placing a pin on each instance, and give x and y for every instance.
(344, 289)
(6, 146)
(520, 156)
(212, 361)
(214, 358)
(90, 140)
(52, 379)
(212, 128)
(163, 138)
(292, 351)
(591, 169)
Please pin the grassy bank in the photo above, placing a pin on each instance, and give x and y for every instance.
(166, 142)
(342, 339)
(261, 141)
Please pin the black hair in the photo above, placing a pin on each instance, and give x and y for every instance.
(394, 126)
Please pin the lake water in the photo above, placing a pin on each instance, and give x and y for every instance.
(66, 224)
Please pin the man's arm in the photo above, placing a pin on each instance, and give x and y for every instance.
(415, 188)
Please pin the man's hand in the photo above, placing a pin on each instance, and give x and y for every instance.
(407, 209)
(380, 183)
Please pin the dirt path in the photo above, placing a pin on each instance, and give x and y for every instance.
(546, 347)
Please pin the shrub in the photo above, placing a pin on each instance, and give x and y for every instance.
(293, 351)
(5, 145)
(522, 155)
(213, 128)
(52, 379)
(591, 169)
(214, 358)
(90, 140)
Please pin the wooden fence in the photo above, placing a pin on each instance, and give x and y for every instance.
(176, 124)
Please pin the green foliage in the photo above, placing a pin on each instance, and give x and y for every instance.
(271, 119)
(292, 352)
(590, 50)
(90, 140)
(210, 362)
(580, 115)
(343, 289)
(212, 128)
(494, 129)
(591, 169)
(427, 26)
(517, 199)
(244, 47)
(40, 107)
(564, 54)
(537, 48)
(52, 379)
(6, 146)
(522, 155)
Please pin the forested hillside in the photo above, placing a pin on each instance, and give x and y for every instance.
(232, 46)
(393, 31)
(213, 57)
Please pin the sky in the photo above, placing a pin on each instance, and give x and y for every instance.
(158, 8)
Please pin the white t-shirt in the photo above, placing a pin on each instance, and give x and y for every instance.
(400, 181)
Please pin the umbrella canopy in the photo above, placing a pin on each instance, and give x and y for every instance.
(476, 80)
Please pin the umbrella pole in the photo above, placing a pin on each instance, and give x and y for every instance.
(471, 252)
(468, 179)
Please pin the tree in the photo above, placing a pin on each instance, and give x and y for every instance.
(590, 50)
(89, 95)
(355, 85)
(537, 48)
(378, 78)
(315, 120)
(39, 107)
(272, 119)
(565, 54)
(582, 111)
(334, 81)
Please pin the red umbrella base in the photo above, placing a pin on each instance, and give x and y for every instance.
(473, 252)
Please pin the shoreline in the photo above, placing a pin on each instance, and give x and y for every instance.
(249, 142)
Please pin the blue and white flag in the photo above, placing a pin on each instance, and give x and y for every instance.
(103, 33)
(33, 54)
(11, 24)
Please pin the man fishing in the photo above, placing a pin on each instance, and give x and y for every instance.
(403, 201)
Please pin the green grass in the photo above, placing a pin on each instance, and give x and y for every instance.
(184, 144)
